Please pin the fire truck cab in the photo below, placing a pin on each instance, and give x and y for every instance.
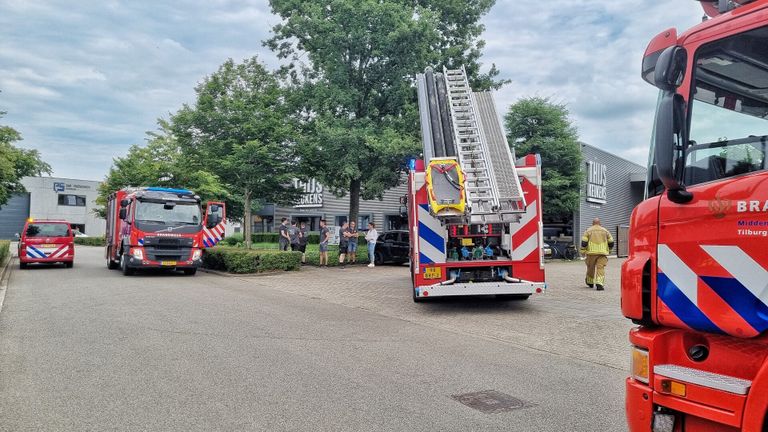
(155, 227)
(696, 280)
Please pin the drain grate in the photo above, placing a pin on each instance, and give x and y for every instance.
(491, 401)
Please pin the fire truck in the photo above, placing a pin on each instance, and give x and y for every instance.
(160, 228)
(474, 210)
(696, 280)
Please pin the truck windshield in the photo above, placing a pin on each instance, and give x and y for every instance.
(158, 213)
(729, 112)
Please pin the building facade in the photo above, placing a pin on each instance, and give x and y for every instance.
(613, 186)
(317, 202)
(53, 198)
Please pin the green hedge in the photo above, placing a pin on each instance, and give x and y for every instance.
(90, 241)
(5, 250)
(235, 260)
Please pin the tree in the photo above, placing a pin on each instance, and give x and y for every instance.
(538, 125)
(160, 163)
(16, 163)
(239, 129)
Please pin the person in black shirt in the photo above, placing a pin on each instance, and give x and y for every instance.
(325, 237)
(343, 242)
(284, 239)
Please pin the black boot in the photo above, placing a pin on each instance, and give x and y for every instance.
(589, 284)
(600, 287)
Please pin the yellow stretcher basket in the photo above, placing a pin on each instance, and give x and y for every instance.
(445, 187)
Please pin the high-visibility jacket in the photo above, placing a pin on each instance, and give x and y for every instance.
(596, 241)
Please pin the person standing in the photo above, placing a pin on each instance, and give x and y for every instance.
(596, 243)
(303, 239)
(371, 236)
(352, 242)
(293, 234)
(284, 240)
(343, 240)
(325, 238)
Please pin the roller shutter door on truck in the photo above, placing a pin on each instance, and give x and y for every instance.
(13, 215)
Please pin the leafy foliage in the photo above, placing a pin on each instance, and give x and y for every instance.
(160, 163)
(239, 129)
(241, 261)
(538, 125)
(16, 163)
(5, 250)
(90, 241)
(355, 98)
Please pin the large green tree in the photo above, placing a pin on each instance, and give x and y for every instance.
(240, 130)
(161, 162)
(353, 63)
(16, 163)
(538, 125)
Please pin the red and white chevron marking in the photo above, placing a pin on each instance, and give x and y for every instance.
(213, 235)
(525, 233)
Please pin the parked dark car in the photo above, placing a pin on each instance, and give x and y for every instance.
(392, 247)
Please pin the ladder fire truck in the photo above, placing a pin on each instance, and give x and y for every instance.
(474, 211)
(696, 280)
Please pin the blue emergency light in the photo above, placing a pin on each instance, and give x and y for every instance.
(169, 190)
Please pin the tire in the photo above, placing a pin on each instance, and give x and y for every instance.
(512, 297)
(127, 271)
(22, 265)
(69, 264)
(190, 271)
(378, 258)
(111, 264)
(570, 254)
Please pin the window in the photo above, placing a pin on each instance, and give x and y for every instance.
(729, 111)
(71, 200)
(362, 221)
(77, 228)
(47, 230)
(395, 222)
(339, 220)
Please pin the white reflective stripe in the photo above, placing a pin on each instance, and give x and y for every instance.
(679, 273)
(431, 222)
(430, 251)
(704, 378)
(531, 213)
(526, 248)
(743, 267)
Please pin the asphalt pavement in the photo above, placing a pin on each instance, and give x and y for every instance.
(90, 349)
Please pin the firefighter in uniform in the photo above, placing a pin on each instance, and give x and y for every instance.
(596, 243)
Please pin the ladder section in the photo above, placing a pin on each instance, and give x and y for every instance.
(510, 196)
(480, 182)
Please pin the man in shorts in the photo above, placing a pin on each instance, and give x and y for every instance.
(343, 241)
(284, 240)
(303, 239)
(352, 242)
(325, 237)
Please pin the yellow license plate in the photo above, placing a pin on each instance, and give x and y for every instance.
(467, 242)
(433, 273)
(168, 263)
(47, 245)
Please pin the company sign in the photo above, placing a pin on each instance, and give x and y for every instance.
(62, 187)
(597, 181)
(312, 193)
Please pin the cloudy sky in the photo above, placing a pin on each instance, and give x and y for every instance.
(84, 80)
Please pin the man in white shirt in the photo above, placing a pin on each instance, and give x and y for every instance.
(371, 236)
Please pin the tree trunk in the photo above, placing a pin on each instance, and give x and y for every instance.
(247, 219)
(354, 199)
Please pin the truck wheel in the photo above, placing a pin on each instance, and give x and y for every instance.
(22, 265)
(69, 264)
(190, 271)
(124, 265)
(112, 265)
(508, 297)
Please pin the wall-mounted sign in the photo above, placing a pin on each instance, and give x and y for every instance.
(312, 196)
(58, 187)
(61, 187)
(597, 181)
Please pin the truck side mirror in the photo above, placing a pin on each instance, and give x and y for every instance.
(670, 140)
(124, 202)
(17, 236)
(123, 213)
(213, 220)
(670, 68)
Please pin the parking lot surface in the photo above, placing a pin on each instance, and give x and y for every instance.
(321, 349)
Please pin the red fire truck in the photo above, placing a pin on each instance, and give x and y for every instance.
(474, 211)
(696, 280)
(155, 227)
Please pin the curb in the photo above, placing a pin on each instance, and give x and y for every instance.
(5, 275)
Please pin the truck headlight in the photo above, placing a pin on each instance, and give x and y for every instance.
(197, 254)
(640, 365)
(137, 253)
